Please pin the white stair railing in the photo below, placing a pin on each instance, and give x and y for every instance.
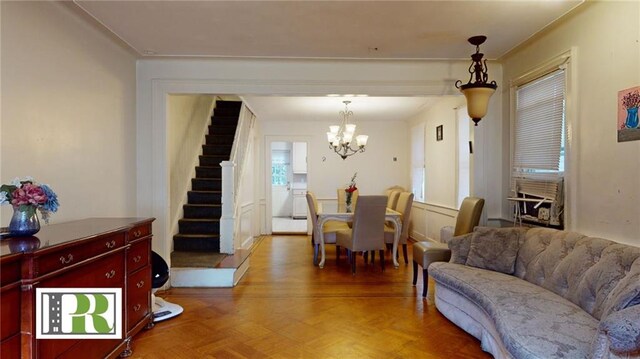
(232, 171)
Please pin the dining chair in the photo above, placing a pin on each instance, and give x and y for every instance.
(367, 233)
(403, 206)
(329, 229)
(427, 252)
(392, 199)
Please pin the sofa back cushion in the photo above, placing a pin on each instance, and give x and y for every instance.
(596, 274)
(494, 249)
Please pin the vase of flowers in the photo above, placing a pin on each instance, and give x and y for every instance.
(349, 190)
(26, 196)
(631, 102)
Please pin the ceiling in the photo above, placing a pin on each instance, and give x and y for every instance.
(326, 29)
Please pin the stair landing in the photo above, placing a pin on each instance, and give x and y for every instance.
(211, 270)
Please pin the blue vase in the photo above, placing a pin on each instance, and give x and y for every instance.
(632, 118)
(24, 223)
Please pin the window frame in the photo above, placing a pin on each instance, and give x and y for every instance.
(567, 61)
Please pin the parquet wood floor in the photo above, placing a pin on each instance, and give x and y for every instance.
(284, 307)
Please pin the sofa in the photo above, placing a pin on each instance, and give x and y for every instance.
(542, 293)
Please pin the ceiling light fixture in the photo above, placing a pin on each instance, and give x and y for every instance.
(478, 92)
(341, 136)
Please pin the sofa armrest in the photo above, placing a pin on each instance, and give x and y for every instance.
(622, 329)
(460, 247)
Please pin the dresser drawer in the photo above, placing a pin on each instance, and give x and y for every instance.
(139, 231)
(107, 272)
(10, 347)
(10, 270)
(138, 294)
(77, 253)
(9, 311)
(138, 255)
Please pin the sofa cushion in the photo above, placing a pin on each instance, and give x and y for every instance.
(600, 280)
(542, 251)
(626, 293)
(459, 247)
(494, 249)
(532, 321)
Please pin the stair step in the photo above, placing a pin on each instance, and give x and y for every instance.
(204, 197)
(196, 242)
(199, 226)
(212, 161)
(202, 210)
(206, 184)
(218, 139)
(222, 130)
(225, 120)
(209, 172)
(212, 150)
(229, 104)
(226, 111)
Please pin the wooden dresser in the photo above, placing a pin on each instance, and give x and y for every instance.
(90, 253)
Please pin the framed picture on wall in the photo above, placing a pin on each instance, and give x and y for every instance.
(439, 133)
(628, 123)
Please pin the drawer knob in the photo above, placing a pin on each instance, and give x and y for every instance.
(137, 259)
(110, 274)
(137, 307)
(140, 284)
(66, 260)
(137, 233)
(111, 244)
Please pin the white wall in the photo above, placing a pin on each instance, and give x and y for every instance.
(440, 207)
(68, 114)
(188, 118)
(606, 37)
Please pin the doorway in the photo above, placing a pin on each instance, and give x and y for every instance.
(288, 187)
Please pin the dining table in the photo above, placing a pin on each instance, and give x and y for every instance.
(344, 216)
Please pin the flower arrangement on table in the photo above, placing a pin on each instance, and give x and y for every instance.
(26, 196)
(349, 190)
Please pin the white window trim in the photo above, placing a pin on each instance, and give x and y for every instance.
(567, 60)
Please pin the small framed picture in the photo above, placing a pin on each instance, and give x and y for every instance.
(439, 133)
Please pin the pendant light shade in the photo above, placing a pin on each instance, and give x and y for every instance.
(477, 92)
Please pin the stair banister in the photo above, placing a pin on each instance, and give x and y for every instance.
(232, 171)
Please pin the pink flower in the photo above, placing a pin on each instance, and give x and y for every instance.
(28, 194)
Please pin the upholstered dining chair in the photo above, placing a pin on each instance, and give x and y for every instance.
(403, 206)
(427, 252)
(367, 233)
(329, 229)
(392, 199)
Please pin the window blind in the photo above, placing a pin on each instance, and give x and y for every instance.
(539, 127)
(538, 136)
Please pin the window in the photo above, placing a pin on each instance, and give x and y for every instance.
(538, 154)
(464, 160)
(279, 167)
(417, 162)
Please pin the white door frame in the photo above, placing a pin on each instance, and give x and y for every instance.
(268, 139)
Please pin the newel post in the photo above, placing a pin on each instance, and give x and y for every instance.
(227, 218)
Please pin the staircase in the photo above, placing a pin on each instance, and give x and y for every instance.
(199, 229)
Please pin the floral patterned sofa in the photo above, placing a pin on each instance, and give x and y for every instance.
(542, 293)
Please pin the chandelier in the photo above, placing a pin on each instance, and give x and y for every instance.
(478, 92)
(341, 136)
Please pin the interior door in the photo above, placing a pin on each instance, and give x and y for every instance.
(281, 176)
